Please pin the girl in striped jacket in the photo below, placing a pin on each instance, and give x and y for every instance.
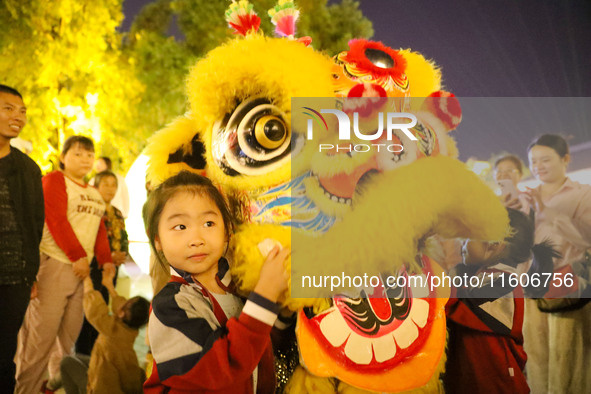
(203, 338)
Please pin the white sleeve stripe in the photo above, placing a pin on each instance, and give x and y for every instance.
(258, 312)
(168, 343)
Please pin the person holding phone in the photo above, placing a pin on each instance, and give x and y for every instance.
(558, 342)
(508, 171)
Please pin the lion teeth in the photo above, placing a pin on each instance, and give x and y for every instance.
(361, 349)
(335, 329)
(419, 312)
(358, 349)
(384, 348)
(406, 334)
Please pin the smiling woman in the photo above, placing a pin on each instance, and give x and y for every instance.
(563, 216)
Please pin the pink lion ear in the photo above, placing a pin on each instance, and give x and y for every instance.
(284, 16)
(445, 106)
(242, 18)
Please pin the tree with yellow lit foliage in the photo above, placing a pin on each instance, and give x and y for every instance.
(65, 57)
(79, 75)
(162, 60)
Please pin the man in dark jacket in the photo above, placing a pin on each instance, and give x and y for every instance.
(21, 227)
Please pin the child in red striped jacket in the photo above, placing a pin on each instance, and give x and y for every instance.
(202, 337)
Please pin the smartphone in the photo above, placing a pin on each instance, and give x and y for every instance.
(507, 189)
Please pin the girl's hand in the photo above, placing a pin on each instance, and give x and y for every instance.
(118, 257)
(274, 277)
(534, 197)
(81, 267)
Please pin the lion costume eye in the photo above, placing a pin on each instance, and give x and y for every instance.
(253, 139)
(270, 132)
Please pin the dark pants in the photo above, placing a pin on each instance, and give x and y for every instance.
(14, 300)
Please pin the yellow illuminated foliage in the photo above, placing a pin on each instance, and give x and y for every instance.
(65, 57)
(79, 75)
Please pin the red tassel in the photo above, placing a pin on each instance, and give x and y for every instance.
(247, 24)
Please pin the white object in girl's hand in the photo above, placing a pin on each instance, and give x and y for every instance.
(267, 245)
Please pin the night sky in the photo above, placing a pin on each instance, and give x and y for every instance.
(503, 48)
(495, 48)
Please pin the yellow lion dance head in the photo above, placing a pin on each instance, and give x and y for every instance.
(362, 213)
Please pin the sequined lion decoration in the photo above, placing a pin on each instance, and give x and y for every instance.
(243, 132)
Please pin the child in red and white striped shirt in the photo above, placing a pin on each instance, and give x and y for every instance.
(73, 233)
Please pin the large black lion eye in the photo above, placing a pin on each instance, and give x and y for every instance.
(270, 132)
(252, 139)
(379, 58)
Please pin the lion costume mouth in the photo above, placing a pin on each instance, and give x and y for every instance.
(375, 342)
(395, 343)
(342, 169)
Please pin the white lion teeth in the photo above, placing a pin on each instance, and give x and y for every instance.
(358, 349)
(335, 329)
(361, 349)
(419, 312)
(332, 197)
(384, 348)
(406, 334)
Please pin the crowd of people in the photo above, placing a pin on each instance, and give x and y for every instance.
(525, 339)
(63, 239)
(61, 242)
